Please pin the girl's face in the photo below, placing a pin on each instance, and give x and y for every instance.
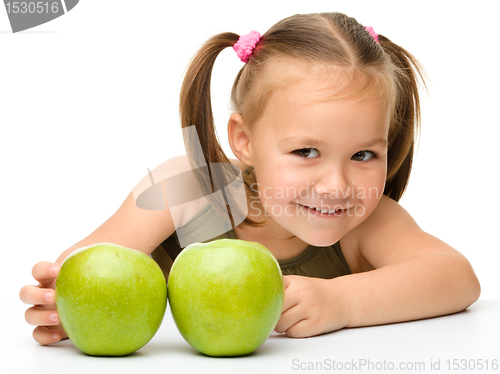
(311, 152)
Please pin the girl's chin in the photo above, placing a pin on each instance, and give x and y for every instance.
(316, 240)
(316, 243)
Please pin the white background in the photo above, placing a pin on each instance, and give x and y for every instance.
(89, 101)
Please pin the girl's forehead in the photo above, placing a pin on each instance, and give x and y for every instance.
(308, 83)
(298, 112)
(289, 86)
(317, 98)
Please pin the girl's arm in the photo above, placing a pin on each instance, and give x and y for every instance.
(407, 274)
(130, 226)
(416, 275)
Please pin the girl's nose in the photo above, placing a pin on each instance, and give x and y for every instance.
(334, 183)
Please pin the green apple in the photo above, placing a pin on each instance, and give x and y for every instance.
(226, 296)
(111, 300)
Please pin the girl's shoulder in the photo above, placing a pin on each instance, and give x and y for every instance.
(192, 209)
(370, 233)
(387, 236)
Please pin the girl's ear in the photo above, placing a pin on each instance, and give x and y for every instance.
(239, 139)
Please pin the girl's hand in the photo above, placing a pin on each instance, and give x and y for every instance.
(312, 306)
(43, 314)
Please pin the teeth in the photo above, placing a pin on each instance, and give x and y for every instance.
(324, 210)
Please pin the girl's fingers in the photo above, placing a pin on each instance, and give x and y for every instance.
(37, 316)
(45, 272)
(37, 296)
(286, 281)
(43, 314)
(291, 298)
(288, 319)
(301, 329)
(47, 335)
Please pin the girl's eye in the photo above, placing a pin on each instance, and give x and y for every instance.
(363, 156)
(306, 152)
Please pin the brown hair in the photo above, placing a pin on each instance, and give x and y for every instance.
(330, 41)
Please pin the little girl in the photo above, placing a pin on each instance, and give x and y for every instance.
(325, 116)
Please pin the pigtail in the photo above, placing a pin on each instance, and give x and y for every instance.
(406, 120)
(195, 103)
(196, 110)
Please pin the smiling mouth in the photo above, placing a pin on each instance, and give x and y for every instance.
(324, 211)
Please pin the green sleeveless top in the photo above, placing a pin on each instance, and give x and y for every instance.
(318, 262)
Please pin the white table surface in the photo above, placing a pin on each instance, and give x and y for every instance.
(472, 335)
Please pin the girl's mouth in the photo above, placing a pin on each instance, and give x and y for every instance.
(324, 212)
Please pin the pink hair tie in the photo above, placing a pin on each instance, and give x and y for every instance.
(245, 45)
(372, 33)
